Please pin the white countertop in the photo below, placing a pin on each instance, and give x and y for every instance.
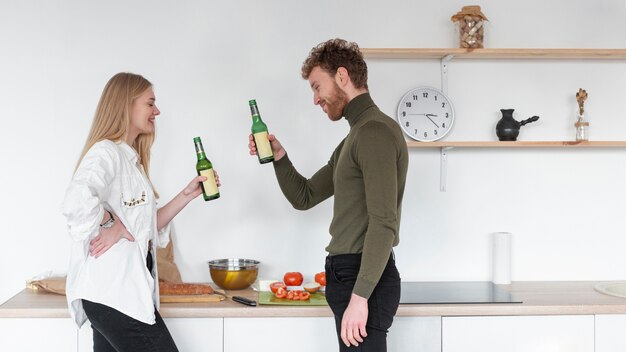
(539, 298)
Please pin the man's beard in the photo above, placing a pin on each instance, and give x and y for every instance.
(336, 103)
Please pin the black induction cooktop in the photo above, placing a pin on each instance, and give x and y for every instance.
(454, 292)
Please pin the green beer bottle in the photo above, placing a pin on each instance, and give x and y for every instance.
(205, 168)
(259, 131)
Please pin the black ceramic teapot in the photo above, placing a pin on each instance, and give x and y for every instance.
(507, 128)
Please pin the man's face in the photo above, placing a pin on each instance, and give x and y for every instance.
(327, 93)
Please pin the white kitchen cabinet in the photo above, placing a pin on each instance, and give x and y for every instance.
(415, 334)
(197, 334)
(566, 333)
(278, 334)
(37, 334)
(610, 336)
(190, 334)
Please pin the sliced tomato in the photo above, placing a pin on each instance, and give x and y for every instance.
(274, 286)
(281, 292)
(290, 294)
(320, 278)
(305, 296)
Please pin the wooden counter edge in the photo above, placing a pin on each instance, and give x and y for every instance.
(540, 298)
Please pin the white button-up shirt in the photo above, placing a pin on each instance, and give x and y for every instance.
(110, 178)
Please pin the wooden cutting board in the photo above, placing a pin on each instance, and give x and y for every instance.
(190, 298)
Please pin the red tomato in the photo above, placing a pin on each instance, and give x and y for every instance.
(305, 296)
(293, 279)
(281, 292)
(290, 295)
(274, 286)
(320, 278)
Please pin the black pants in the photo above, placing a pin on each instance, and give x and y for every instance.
(114, 331)
(341, 274)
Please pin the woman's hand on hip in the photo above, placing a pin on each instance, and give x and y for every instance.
(108, 237)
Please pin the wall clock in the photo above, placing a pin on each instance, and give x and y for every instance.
(425, 114)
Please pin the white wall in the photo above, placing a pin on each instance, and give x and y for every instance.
(207, 58)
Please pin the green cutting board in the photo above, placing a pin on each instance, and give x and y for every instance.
(317, 299)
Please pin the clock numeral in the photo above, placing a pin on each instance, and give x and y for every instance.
(443, 125)
(408, 104)
(447, 115)
(435, 98)
(407, 124)
(404, 114)
(435, 131)
(415, 132)
(414, 96)
(443, 105)
(425, 134)
(425, 95)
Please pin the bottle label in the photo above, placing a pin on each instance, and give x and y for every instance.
(210, 186)
(263, 147)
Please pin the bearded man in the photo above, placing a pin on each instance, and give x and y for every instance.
(366, 174)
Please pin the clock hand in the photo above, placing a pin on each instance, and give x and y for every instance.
(427, 115)
(431, 120)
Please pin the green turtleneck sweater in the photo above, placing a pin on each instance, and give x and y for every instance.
(366, 173)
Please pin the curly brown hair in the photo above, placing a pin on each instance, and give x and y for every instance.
(335, 53)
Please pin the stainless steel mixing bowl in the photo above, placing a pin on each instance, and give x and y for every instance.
(234, 273)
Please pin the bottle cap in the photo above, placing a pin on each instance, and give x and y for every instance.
(196, 139)
(252, 102)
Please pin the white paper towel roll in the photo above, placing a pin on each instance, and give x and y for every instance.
(501, 264)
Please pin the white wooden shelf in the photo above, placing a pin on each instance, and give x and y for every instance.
(494, 53)
(446, 55)
(518, 144)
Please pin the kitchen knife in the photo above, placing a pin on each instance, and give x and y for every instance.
(244, 300)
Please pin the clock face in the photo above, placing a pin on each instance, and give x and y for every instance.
(425, 114)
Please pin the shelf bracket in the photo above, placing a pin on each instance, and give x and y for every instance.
(443, 168)
(444, 72)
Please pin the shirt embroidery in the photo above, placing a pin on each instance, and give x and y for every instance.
(134, 201)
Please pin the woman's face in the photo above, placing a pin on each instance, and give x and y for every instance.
(143, 112)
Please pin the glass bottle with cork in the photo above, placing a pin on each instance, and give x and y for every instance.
(582, 126)
(205, 168)
(259, 132)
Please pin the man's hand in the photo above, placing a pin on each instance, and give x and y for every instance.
(108, 237)
(277, 148)
(354, 320)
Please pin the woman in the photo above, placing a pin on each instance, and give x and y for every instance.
(113, 220)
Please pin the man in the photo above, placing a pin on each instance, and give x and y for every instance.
(366, 173)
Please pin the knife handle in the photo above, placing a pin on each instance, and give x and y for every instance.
(244, 300)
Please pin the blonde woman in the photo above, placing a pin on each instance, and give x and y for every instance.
(113, 220)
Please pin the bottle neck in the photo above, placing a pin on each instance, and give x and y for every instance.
(200, 151)
(254, 110)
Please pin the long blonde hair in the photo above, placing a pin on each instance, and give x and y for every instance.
(112, 117)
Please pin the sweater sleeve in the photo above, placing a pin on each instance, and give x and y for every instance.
(377, 154)
(83, 204)
(301, 192)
